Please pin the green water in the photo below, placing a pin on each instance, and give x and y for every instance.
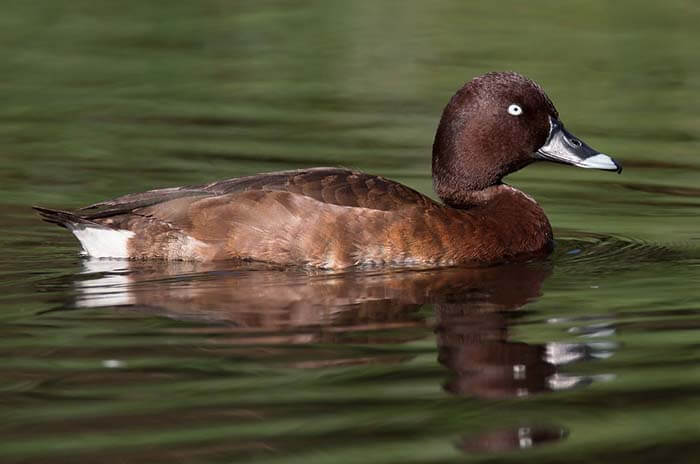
(591, 356)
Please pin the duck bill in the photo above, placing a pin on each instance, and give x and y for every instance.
(564, 147)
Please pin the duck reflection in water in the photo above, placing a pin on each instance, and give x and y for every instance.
(473, 310)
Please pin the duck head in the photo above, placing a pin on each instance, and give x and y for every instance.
(496, 124)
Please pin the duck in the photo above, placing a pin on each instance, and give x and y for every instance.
(337, 218)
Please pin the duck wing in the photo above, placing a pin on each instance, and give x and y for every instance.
(337, 186)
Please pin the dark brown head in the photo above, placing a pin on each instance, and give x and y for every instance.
(496, 124)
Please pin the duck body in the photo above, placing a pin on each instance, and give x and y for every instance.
(338, 218)
(323, 217)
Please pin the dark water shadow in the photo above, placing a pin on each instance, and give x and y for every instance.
(471, 311)
(513, 438)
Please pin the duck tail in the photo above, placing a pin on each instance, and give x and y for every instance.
(64, 218)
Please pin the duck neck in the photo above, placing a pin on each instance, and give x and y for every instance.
(469, 199)
(461, 184)
(458, 194)
(460, 167)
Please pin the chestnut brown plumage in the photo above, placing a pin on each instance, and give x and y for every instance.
(336, 218)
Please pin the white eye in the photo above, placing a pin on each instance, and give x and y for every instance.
(515, 110)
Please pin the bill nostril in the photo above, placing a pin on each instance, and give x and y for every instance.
(575, 142)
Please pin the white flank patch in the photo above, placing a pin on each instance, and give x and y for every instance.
(103, 243)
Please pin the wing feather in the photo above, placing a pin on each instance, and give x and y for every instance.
(335, 186)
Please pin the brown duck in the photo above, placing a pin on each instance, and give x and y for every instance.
(336, 218)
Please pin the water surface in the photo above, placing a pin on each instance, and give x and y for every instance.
(589, 356)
